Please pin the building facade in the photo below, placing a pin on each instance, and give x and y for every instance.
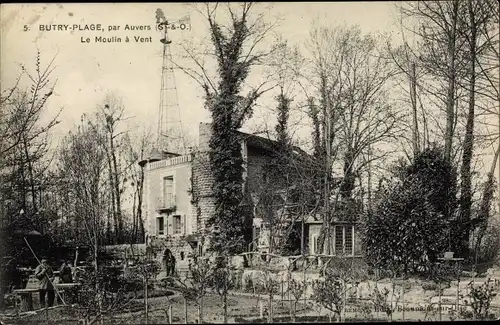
(172, 220)
(178, 200)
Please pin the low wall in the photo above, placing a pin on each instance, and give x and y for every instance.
(418, 293)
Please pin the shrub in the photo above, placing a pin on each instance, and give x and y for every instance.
(480, 298)
(413, 220)
(329, 293)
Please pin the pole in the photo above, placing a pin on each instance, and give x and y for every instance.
(146, 298)
(185, 311)
(57, 291)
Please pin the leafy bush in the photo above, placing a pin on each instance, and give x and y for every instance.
(480, 298)
(413, 221)
(329, 293)
(380, 300)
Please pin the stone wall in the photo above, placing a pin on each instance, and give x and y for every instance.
(418, 293)
(177, 245)
(202, 188)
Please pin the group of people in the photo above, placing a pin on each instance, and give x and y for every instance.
(45, 275)
(12, 278)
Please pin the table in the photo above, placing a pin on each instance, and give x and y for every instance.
(67, 291)
(26, 299)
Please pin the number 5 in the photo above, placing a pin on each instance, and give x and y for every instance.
(26, 28)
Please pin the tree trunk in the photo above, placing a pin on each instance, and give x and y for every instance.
(113, 198)
(468, 145)
(200, 311)
(96, 268)
(146, 299)
(224, 307)
(484, 208)
(117, 194)
(450, 98)
(348, 182)
(413, 98)
(31, 177)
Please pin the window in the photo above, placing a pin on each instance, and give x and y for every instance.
(160, 225)
(344, 243)
(348, 242)
(168, 191)
(177, 224)
(339, 239)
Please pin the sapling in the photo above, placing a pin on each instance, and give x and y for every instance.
(480, 298)
(296, 288)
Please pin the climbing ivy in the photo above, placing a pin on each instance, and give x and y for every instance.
(229, 110)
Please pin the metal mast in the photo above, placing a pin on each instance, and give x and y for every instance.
(169, 133)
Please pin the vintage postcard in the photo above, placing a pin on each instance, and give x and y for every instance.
(239, 162)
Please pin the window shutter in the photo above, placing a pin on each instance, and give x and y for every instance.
(183, 224)
(170, 229)
(314, 244)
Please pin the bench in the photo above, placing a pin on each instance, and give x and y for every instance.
(26, 296)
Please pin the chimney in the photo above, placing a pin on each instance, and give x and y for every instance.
(204, 138)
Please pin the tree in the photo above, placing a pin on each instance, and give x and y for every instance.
(82, 164)
(331, 290)
(475, 18)
(440, 46)
(235, 51)
(136, 152)
(222, 281)
(24, 149)
(109, 118)
(455, 53)
(296, 288)
(353, 116)
(414, 221)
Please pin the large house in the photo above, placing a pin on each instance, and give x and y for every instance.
(174, 221)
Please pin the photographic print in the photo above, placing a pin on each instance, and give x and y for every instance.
(239, 162)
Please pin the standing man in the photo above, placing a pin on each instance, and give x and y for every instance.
(65, 272)
(45, 275)
(172, 264)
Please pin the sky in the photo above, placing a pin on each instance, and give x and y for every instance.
(85, 72)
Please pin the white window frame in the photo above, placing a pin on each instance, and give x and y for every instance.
(163, 196)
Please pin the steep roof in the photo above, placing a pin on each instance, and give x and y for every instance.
(265, 144)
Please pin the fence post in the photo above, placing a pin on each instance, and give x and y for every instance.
(170, 314)
(261, 309)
